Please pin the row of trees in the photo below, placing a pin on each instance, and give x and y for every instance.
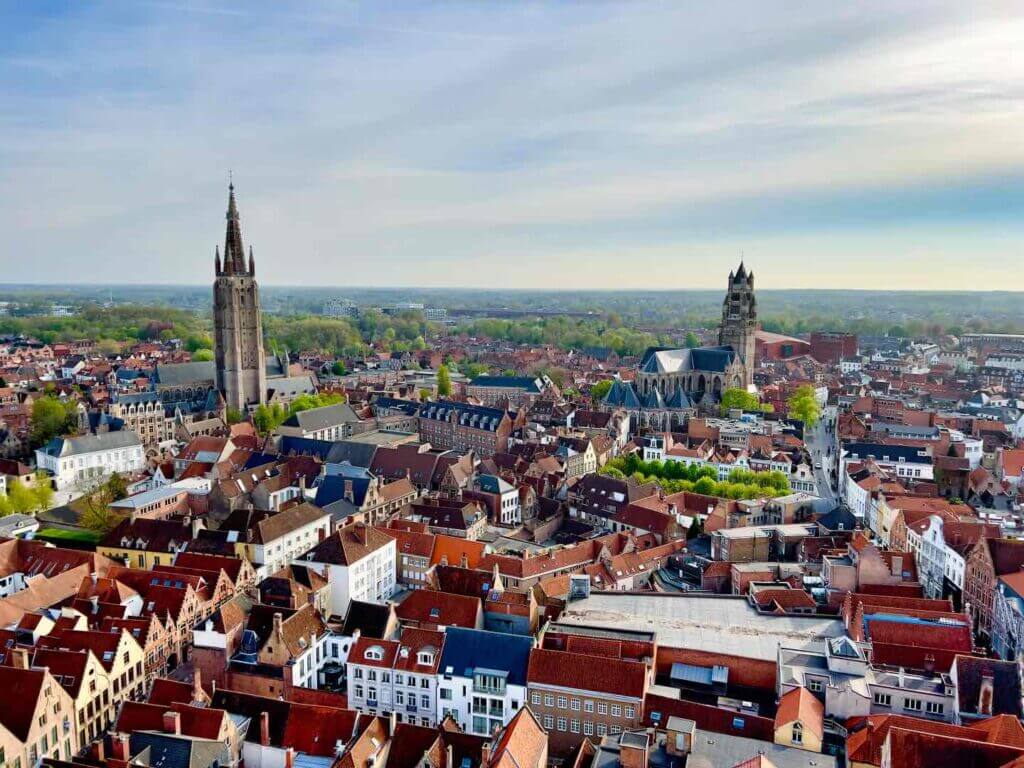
(266, 418)
(675, 476)
(734, 397)
(26, 500)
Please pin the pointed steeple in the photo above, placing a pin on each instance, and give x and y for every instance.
(252, 263)
(234, 252)
(216, 259)
(741, 273)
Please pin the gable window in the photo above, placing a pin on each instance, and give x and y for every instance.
(798, 733)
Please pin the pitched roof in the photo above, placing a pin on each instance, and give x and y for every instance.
(281, 524)
(467, 649)
(801, 705)
(425, 606)
(588, 673)
(21, 688)
(348, 545)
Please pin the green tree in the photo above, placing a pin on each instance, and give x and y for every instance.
(43, 491)
(472, 370)
(444, 382)
(338, 369)
(599, 390)
(232, 415)
(117, 487)
(803, 405)
(51, 418)
(202, 355)
(22, 500)
(734, 397)
(96, 512)
(692, 342)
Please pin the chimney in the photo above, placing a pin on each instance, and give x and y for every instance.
(198, 695)
(485, 753)
(19, 658)
(264, 729)
(633, 755)
(277, 625)
(985, 695)
(349, 492)
(289, 758)
(121, 749)
(98, 751)
(172, 723)
(463, 561)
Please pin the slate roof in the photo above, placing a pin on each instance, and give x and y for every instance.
(104, 441)
(468, 649)
(527, 383)
(665, 360)
(322, 418)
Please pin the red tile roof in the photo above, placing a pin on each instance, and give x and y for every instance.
(587, 673)
(427, 607)
(801, 705)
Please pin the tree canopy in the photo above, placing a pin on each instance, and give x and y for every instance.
(675, 476)
(803, 404)
(444, 381)
(52, 418)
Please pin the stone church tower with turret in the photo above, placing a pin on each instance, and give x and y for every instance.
(237, 324)
(739, 320)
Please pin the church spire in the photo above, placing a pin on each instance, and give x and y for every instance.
(216, 259)
(252, 264)
(234, 253)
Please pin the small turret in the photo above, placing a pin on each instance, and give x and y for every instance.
(216, 259)
(252, 263)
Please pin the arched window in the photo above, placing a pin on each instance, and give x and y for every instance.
(798, 733)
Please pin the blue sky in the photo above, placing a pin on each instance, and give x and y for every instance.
(521, 144)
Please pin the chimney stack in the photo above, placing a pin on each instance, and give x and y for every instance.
(986, 694)
(172, 723)
(289, 758)
(264, 729)
(277, 624)
(121, 748)
(19, 658)
(634, 755)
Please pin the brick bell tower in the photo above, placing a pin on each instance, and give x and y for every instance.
(237, 323)
(739, 320)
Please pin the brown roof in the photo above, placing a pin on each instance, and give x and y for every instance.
(348, 545)
(440, 608)
(521, 744)
(274, 527)
(587, 673)
(21, 689)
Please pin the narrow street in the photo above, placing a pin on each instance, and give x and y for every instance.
(821, 442)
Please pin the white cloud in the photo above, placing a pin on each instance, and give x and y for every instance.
(530, 145)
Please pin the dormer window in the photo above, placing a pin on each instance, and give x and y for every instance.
(374, 653)
(425, 657)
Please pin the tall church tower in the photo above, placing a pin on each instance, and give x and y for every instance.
(739, 320)
(237, 324)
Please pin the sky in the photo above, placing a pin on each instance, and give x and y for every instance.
(596, 145)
